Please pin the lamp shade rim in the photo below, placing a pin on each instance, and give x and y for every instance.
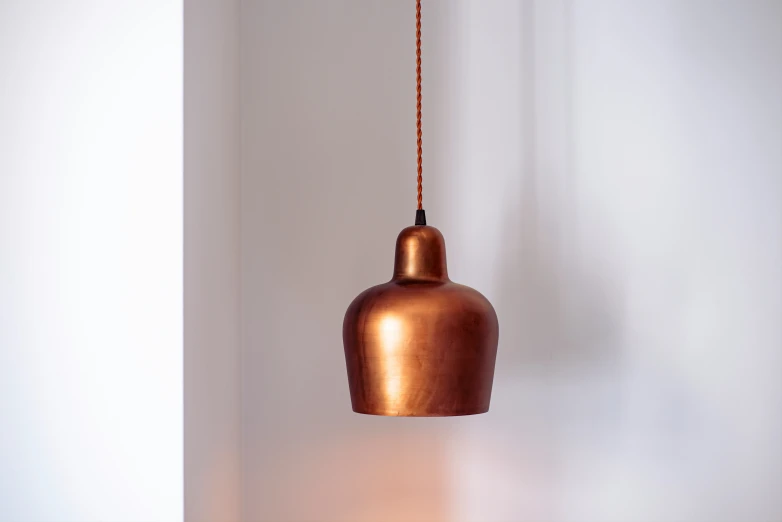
(390, 413)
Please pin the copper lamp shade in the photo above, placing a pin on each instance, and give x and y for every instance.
(420, 345)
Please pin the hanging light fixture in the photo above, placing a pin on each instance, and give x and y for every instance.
(420, 345)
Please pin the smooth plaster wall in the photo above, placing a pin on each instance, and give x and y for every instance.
(609, 174)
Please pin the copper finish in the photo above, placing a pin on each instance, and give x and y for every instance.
(420, 345)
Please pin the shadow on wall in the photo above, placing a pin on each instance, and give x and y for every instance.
(556, 377)
(562, 308)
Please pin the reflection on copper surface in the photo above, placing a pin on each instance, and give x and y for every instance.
(390, 335)
(420, 345)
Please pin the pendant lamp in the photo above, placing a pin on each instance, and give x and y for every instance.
(420, 345)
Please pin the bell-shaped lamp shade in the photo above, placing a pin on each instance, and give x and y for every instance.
(420, 345)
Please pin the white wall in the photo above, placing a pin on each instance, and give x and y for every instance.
(90, 260)
(637, 268)
(211, 198)
(609, 174)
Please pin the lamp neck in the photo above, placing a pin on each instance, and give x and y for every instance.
(420, 255)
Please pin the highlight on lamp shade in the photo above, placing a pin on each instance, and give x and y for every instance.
(420, 345)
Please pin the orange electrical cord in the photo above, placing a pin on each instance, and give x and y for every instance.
(418, 104)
